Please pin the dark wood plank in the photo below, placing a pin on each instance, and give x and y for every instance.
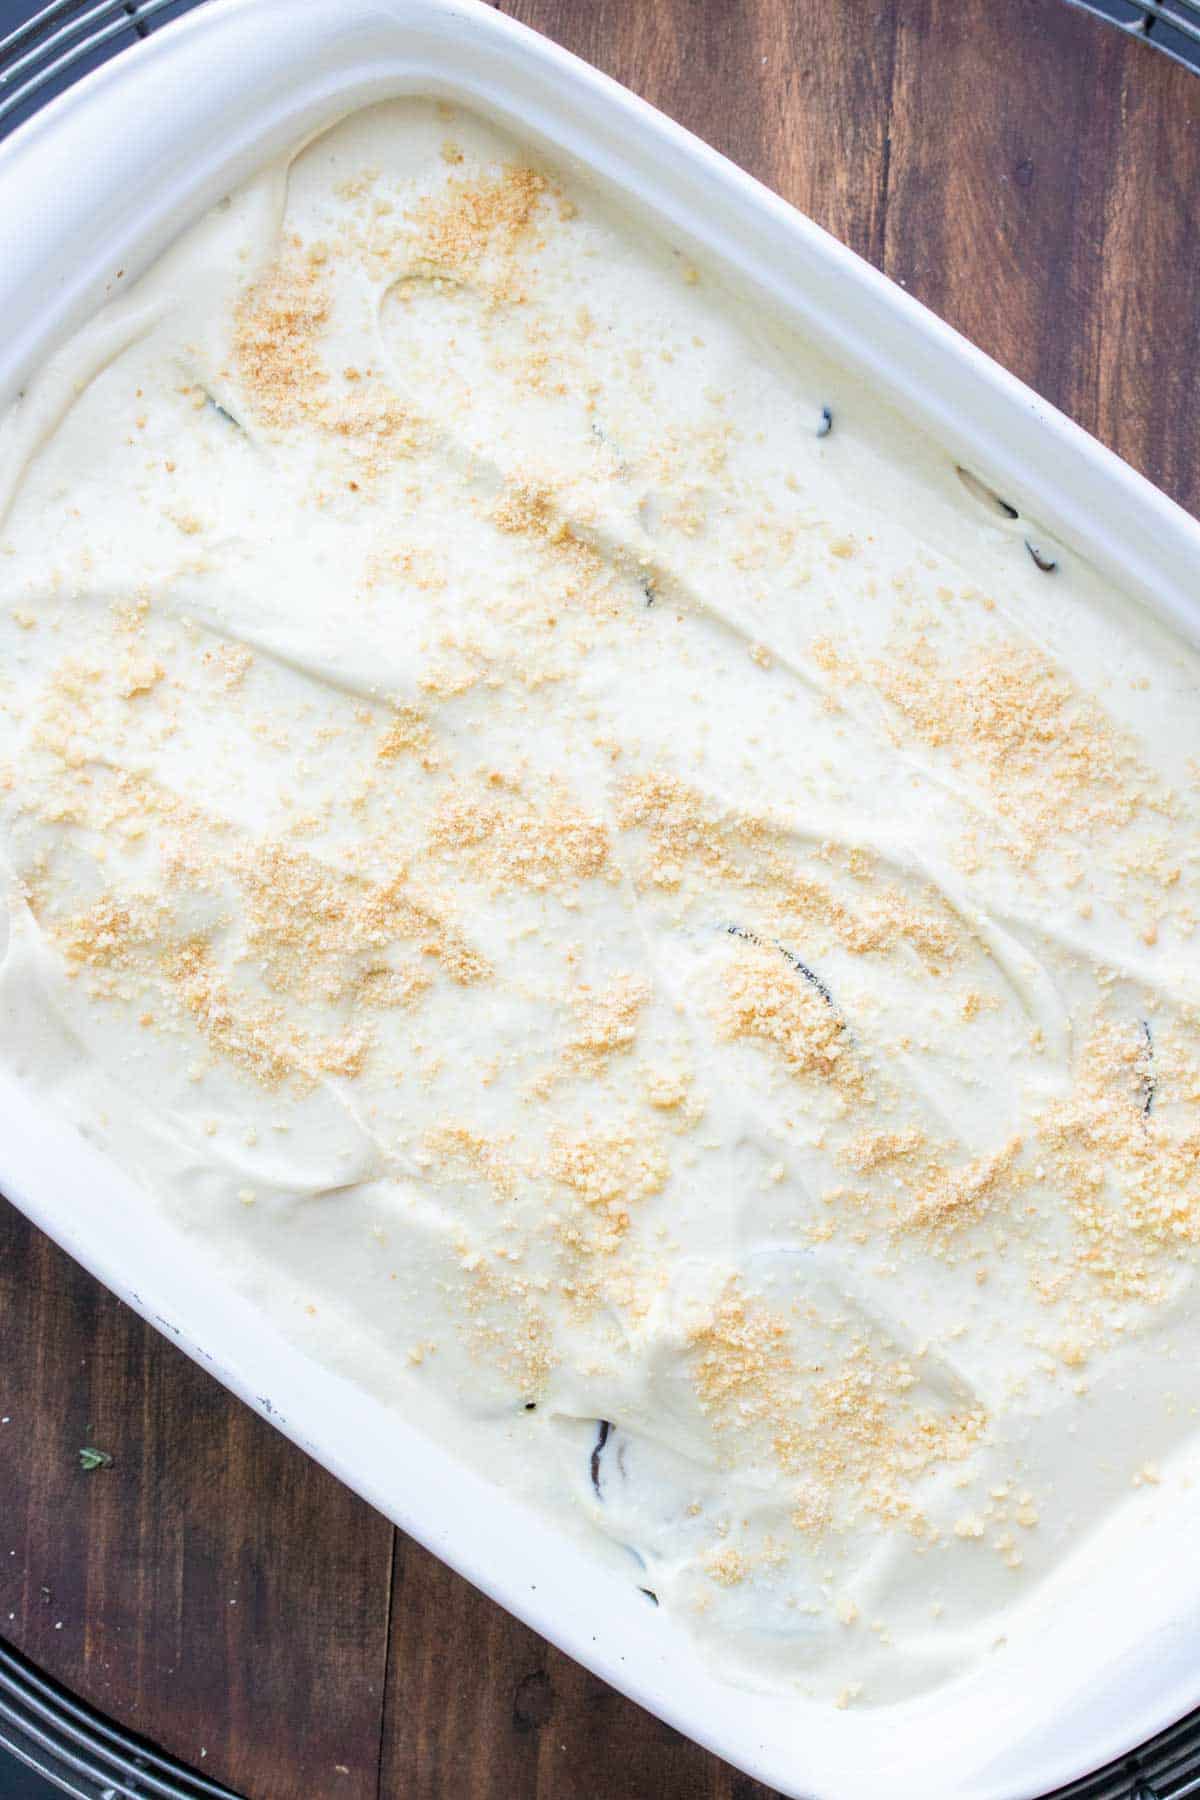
(447, 1730)
(1148, 406)
(213, 1589)
(1034, 177)
(481, 1707)
(1044, 198)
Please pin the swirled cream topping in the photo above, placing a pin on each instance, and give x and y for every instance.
(621, 897)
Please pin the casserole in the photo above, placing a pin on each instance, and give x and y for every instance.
(355, 56)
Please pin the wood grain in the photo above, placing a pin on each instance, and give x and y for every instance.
(481, 1707)
(213, 1588)
(1035, 177)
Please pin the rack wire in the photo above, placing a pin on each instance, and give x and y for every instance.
(65, 39)
(44, 1726)
(81, 1752)
(1172, 26)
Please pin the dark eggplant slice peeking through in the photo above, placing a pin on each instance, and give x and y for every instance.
(1046, 564)
(1149, 1076)
(222, 412)
(603, 1429)
(801, 968)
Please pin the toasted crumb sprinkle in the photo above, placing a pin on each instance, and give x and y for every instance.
(613, 1169)
(407, 733)
(255, 1034)
(475, 218)
(277, 334)
(726, 1566)
(513, 841)
(1131, 1177)
(1052, 758)
(762, 998)
(958, 1193)
(457, 1150)
(608, 1022)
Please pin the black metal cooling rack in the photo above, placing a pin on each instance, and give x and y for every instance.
(1172, 26)
(44, 49)
(70, 1746)
(78, 1751)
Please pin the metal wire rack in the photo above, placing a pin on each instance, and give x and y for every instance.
(85, 1755)
(1172, 26)
(46, 50)
(78, 1750)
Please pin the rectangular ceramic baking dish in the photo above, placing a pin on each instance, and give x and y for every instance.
(91, 191)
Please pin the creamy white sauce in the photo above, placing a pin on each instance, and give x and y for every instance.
(565, 847)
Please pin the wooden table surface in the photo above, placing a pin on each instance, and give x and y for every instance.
(1034, 176)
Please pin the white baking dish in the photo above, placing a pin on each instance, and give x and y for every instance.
(89, 193)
